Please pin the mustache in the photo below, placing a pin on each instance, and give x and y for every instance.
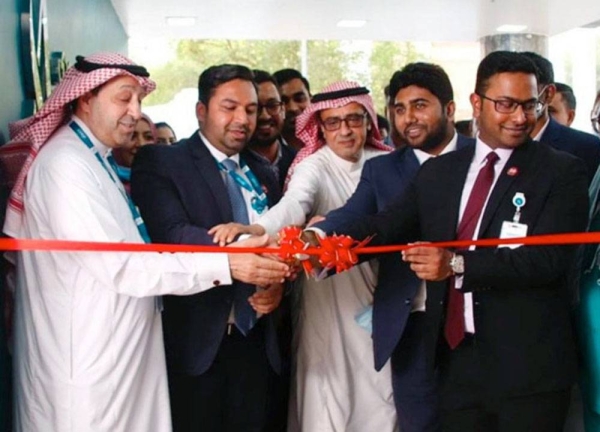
(240, 128)
(266, 123)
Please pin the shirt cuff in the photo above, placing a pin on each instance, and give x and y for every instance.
(212, 270)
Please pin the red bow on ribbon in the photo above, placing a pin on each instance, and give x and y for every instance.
(338, 252)
(334, 252)
(293, 248)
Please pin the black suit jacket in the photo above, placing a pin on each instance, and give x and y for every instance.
(521, 300)
(181, 194)
(583, 145)
(287, 157)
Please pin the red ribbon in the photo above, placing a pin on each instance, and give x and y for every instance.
(339, 252)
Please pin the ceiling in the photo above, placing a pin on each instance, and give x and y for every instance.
(415, 20)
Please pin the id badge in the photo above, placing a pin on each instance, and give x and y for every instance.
(512, 230)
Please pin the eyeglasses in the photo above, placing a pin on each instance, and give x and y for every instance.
(273, 108)
(352, 121)
(509, 106)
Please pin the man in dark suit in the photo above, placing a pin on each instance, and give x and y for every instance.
(267, 147)
(497, 319)
(220, 352)
(547, 130)
(423, 112)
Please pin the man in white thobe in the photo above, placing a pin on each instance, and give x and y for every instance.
(89, 353)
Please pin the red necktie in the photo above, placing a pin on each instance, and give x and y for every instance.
(454, 329)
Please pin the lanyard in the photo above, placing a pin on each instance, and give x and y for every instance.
(135, 213)
(259, 198)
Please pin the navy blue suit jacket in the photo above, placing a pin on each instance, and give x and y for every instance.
(181, 194)
(383, 180)
(583, 145)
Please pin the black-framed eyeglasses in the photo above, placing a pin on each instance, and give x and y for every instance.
(509, 106)
(352, 120)
(273, 108)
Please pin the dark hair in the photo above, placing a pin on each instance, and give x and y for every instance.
(425, 75)
(500, 62)
(214, 76)
(165, 125)
(382, 122)
(284, 75)
(567, 94)
(463, 127)
(261, 76)
(544, 67)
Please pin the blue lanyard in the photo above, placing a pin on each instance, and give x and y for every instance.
(139, 222)
(259, 198)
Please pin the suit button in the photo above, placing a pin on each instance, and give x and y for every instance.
(442, 303)
(476, 303)
(407, 302)
(216, 282)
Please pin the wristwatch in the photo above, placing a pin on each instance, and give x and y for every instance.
(457, 264)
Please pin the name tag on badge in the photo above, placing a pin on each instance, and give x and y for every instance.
(512, 230)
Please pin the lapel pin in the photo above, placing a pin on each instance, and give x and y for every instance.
(512, 171)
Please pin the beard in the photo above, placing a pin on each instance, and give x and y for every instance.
(436, 137)
(262, 143)
(433, 139)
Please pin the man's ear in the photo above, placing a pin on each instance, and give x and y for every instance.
(82, 104)
(201, 111)
(450, 110)
(476, 104)
(570, 117)
(550, 93)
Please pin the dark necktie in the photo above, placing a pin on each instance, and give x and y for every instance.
(454, 329)
(244, 315)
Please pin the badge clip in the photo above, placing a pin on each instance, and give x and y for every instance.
(518, 201)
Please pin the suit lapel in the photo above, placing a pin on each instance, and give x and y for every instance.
(551, 133)
(518, 160)
(208, 170)
(407, 164)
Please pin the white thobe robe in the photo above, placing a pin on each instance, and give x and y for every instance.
(336, 387)
(89, 352)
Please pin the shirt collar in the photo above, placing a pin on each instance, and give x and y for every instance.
(423, 157)
(542, 130)
(482, 150)
(344, 164)
(267, 161)
(218, 154)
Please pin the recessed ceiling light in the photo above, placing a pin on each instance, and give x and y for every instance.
(181, 21)
(351, 23)
(511, 28)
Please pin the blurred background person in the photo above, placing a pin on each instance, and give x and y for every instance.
(465, 127)
(165, 134)
(563, 105)
(295, 95)
(122, 157)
